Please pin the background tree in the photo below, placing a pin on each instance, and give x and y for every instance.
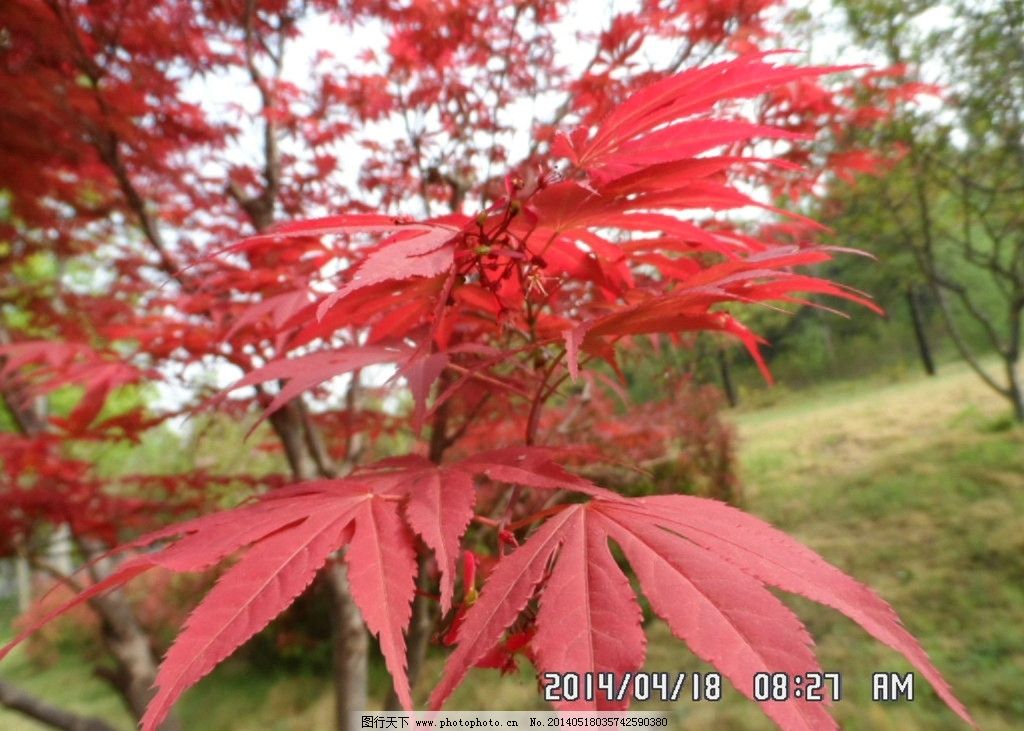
(952, 199)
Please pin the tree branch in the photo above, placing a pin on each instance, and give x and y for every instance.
(37, 709)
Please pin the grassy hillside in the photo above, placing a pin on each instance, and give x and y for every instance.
(916, 488)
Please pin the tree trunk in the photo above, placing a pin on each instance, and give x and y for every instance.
(302, 448)
(287, 424)
(920, 334)
(423, 618)
(725, 368)
(1015, 389)
(23, 579)
(351, 647)
(127, 641)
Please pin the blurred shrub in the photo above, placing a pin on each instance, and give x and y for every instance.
(679, 441)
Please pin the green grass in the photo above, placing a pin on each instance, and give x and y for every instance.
(914, 487)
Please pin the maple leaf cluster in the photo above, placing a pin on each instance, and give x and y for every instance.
(508, 298)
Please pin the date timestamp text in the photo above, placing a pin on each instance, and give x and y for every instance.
(637, 686)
